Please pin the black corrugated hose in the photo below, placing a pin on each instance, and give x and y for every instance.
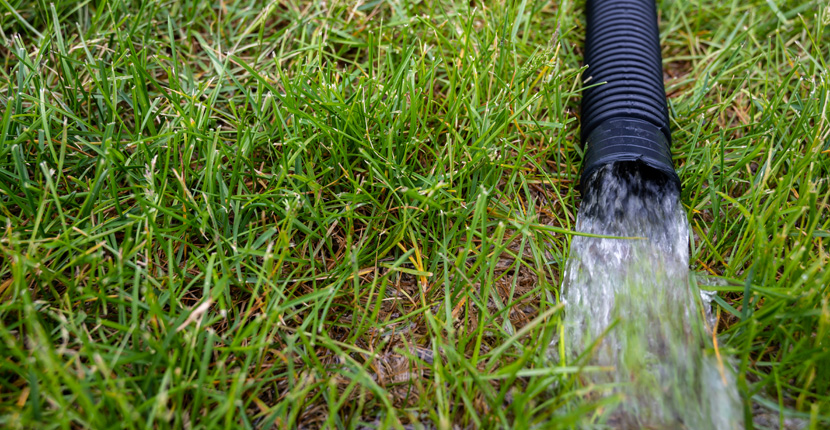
(624, 113)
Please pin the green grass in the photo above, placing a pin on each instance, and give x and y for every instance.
(334, 214)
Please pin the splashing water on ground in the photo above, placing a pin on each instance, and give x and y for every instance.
(641, 285)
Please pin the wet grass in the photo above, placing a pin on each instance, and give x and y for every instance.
(355, 214)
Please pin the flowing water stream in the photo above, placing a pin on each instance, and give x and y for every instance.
(640, 288)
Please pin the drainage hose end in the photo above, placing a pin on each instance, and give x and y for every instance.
(628, 139)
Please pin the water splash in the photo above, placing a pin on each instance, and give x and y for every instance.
(642, 284)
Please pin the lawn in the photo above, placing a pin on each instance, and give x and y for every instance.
(355, 214)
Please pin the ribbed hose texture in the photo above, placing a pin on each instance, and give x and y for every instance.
(624, 113)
